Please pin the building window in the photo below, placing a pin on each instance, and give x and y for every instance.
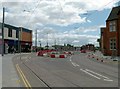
(17, 34)
(9, 32)
(112, 26)
(113, 44)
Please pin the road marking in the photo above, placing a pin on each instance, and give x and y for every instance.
(27, 84)
(108, 80)
(90, 74)
(96, 73)
(21, 75)
(73, 63)
(17, 81)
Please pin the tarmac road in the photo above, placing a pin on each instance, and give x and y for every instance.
(74, 71)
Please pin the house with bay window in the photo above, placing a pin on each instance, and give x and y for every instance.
(110, 35)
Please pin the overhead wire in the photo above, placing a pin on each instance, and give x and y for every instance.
(99, 9)
(38, 2)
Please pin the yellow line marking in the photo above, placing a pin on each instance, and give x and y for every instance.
(26, 79)
(17, 81)
(27, 84)
(21, 75)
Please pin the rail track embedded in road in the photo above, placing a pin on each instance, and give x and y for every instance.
(40, 79)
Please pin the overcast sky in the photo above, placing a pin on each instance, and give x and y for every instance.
(76, 22)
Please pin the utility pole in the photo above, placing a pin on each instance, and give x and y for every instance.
(20, 39)
(55, 44)
(47, 41)
(36, 40)
(3, 32)
(40, 44)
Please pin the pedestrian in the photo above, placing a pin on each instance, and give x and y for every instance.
(14, 50)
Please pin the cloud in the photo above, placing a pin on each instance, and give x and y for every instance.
(72, 37)
(58, 12)
(38, 14)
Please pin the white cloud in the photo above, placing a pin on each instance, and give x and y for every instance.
(36, 14)
(73, 36)
(58, 12)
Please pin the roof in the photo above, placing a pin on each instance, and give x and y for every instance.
(26, 30)
(8, 26)
(15, 28)
(114, 13)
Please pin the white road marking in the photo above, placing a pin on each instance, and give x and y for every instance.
(77, 65)
(108, 80)
(90, 74)
(73, 63)
(90, 71)
(97, 73)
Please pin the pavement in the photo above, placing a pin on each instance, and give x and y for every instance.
(9, 74)
(0, 71)
(99, 54)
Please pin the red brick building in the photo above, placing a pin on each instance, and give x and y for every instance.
(110, 35)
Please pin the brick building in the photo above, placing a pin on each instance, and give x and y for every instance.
(26, 39)
(12, 39)
(110, 35)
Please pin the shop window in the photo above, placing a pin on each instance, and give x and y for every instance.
(17, 34)
(9, 32)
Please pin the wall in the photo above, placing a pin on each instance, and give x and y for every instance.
(13, 34)
(103, 40)
(108, 36)
(119, 34)
(27, 36)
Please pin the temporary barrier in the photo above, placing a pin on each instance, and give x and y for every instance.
(52, 55)
(62, 56)
(58, 56)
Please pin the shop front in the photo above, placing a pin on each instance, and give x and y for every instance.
(10, 45)
(0, 46)
(26, 46)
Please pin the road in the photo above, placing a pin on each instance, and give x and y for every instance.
(74, 71)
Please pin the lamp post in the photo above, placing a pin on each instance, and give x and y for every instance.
(3, 32)
(40, 44)
(36, 40)
(47, 40)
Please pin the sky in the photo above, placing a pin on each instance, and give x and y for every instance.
(75, 22)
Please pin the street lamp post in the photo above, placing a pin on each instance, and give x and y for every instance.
(3, 32)
(40, 44)
(47, 41)
(36, 40)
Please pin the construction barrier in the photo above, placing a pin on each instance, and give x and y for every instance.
(95, 57)
(62, 56)
(52, 55)
(58, 56)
